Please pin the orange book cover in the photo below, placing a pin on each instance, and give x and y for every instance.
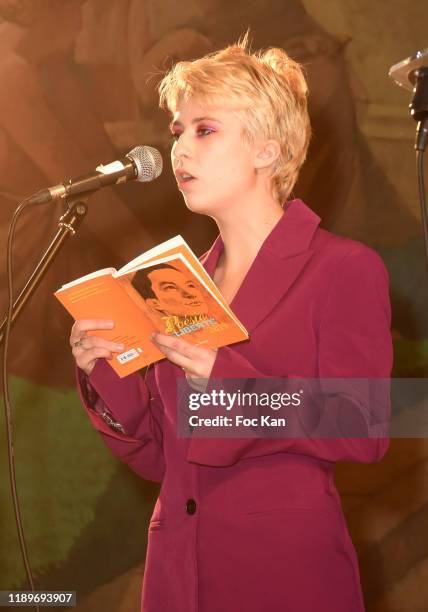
(165, 289)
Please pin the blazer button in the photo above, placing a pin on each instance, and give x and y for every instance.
(190, 506)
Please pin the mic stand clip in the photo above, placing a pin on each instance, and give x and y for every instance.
(68, 225)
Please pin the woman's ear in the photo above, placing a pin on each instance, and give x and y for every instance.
(266, 154)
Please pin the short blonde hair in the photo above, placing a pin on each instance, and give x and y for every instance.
(267, 90)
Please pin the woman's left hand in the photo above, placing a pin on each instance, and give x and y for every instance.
(197, 362)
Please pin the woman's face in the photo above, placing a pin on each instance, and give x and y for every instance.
(209, 148)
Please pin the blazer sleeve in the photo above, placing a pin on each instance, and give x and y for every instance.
(354, 341)
(128, 414)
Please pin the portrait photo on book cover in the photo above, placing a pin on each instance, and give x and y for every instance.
(175, 301)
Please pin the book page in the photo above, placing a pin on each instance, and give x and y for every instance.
(157, 251)
(82, 279)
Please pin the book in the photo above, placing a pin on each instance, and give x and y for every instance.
(165, 289)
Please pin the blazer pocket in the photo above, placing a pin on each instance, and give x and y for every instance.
(290, 510)
(285, 509)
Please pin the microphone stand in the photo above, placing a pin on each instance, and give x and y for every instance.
(68, 225)
(412, 73)
(419, 112)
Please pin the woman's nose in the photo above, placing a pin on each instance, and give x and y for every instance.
(182, 148)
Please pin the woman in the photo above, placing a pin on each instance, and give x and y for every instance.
(245, 524)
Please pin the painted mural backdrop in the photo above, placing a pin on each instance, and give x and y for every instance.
(78, 87)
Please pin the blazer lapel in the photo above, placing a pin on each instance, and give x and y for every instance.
(280, 261)
(265, 285)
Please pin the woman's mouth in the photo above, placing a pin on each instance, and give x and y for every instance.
(184, 177)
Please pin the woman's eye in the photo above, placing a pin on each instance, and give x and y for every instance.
(175, 135)
(203, 131)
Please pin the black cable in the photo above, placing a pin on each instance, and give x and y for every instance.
(421, 184)
(7, 404)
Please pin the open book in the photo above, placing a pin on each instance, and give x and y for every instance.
(165, 289)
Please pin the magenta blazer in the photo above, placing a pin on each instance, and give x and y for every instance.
(256, 525)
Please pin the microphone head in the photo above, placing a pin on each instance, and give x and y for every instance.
(148, 162)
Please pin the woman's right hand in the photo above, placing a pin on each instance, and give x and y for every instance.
(88, 349)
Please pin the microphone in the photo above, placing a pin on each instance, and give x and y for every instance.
(141, 164)
(412, 74)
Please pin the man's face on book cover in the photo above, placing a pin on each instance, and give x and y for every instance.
(175, 293)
